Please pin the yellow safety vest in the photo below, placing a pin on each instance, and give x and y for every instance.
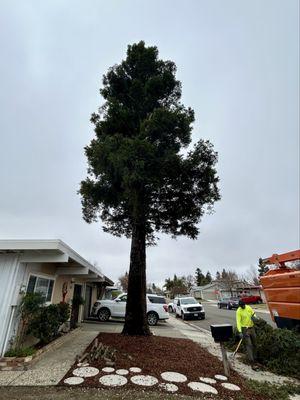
(244, 317)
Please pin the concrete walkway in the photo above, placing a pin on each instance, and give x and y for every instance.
(53, 365)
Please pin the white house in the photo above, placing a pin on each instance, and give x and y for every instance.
(47, 266)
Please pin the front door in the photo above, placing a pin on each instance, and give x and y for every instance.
(75, 305)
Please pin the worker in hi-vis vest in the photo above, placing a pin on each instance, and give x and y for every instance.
(245, 317)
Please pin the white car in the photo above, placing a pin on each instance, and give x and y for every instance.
(157, 308)
(189, 307)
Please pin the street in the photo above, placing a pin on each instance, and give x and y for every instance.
(214, 315)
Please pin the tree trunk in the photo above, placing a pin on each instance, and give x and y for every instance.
(136, 319)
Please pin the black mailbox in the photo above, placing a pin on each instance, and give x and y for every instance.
(221, 332)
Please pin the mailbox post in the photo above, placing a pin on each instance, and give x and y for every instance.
(221, 334)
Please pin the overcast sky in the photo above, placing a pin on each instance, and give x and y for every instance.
(238, 63)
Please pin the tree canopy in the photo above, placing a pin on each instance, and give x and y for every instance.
(137, 155)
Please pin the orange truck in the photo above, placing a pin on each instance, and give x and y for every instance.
(282, 289)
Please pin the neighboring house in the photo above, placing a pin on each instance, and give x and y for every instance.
(218, 290)
(49, 267)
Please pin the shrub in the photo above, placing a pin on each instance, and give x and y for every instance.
(274, 392)
(20, 352)
(47, 321)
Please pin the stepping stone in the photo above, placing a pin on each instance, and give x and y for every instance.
(202, 387)
(108, 369)
(122, 372)
(173, 377)
(221, 377)
(144, 380)
(113, 380)
(73, 380)
(230, 386)
(86, 372)
(135, 370)
(207, 380)
(169, 387)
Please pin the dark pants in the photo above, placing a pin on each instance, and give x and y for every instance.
(249, 337)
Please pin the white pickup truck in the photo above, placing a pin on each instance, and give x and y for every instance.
(157, 308)
(188, 308)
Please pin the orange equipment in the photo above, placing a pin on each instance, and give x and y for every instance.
(282, 290)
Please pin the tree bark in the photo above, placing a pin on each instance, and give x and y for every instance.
(136, 308)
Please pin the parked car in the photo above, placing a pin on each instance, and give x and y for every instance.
(157, 309)
(229, 303)
(251, 299)
(189, 307)
(172, 305)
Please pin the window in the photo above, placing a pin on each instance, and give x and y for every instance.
(157, 299)
(123, 298)
(37, 284)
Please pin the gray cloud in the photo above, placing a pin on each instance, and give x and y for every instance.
(239, 69)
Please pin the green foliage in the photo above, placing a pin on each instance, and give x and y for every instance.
(47, 321)
(262, 268)
(138, 173)
(20, 352)
(274, 392)
(277, 349)
(176, 286)
(78, 301)
(30, 304)
(202, 279)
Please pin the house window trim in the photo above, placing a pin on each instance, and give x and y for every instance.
(43, 276)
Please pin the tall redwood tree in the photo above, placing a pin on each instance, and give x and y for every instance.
(140, 181)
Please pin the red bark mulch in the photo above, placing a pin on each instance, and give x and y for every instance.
(156, 354)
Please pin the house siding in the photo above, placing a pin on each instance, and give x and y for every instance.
(12, 274)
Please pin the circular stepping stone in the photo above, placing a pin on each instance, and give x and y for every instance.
(135, 370)
(122, 372)
(86, 372)
(202, 387)
(207, 380)
(113, 380)
(173, 377)
(108, 369)
(74, 380)
(230, 386)
(221, 377)
(144, 380)
(169, 387)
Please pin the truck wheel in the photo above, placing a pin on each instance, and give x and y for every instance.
(170, 309)
(103, 314)
(259, 301)
(228, 307)
(152, 318)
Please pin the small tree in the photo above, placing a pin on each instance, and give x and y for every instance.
(218, 276)
(262, 267)
(208, 277)
(200, 278)
(123, 279)
(140, 180)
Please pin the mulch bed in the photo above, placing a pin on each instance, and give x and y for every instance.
(156, 354)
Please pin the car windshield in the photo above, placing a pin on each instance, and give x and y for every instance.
(188, 300)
